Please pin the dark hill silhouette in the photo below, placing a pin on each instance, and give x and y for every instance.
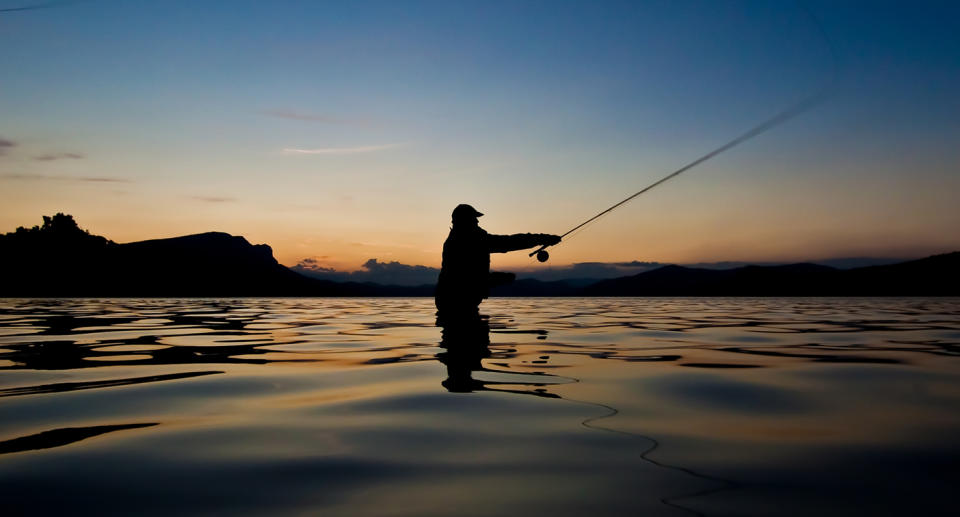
(932, 276)
(214, 262)
(61, 259)
(787, 280)
(938, 275)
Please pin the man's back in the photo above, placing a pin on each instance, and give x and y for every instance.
(465, 268)
(465, 273)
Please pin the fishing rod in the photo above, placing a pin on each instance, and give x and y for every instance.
(796, 109)
(785, 115)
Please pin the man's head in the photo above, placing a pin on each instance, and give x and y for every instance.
(465, 214)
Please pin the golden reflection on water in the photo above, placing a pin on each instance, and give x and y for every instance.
(553, 407)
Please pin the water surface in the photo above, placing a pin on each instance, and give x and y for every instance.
(558, 407)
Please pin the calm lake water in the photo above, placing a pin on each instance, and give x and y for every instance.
(567, 406)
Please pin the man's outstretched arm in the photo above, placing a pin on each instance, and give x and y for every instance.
(519, 241)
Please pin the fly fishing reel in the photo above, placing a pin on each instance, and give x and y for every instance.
(541, 254)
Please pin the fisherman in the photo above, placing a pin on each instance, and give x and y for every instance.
(465, 277)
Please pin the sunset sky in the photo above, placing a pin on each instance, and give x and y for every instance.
(345, 131)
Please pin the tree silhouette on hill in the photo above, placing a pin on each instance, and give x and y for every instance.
(59, 230)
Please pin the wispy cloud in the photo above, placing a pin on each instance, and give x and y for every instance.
(40, 5)
(48, 177)
(344, 150)
(214, 199)
(315, 117)
(5, 145)
(58, 156)
(95, 179)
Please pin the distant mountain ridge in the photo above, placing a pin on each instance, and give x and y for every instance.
(60, 259)
(931, 276)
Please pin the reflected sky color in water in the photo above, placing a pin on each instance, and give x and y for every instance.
(556, 407)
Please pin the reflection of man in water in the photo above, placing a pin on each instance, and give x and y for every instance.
(465, 277)
(465, 344)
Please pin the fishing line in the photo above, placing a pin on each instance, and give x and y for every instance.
(721, 484)
(798, 108)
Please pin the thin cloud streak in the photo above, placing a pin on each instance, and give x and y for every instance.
(311, 117)
(214, 199)
(59, 156)
(47, 177)
(5, 145)
(102, 180)
(344, 150)
(44, 5)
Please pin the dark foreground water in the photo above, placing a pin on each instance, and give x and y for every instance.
(564, 407)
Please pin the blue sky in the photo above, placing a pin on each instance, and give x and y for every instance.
(350, 130)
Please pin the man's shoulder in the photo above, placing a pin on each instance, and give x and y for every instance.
(468, 233)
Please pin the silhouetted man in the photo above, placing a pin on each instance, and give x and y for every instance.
(465, 277)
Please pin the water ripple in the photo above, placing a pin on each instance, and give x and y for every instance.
(364, 407)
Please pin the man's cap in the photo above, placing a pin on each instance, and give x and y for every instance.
(465, 212)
